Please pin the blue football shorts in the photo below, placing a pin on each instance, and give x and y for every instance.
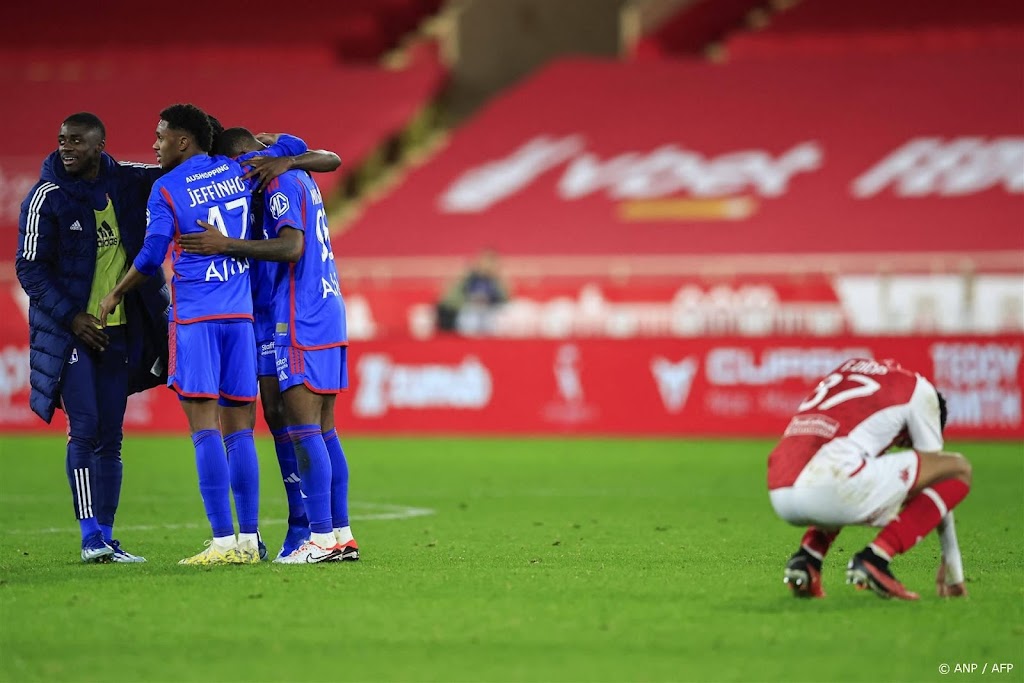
(213, 359)
(322, 371)
(266, 360)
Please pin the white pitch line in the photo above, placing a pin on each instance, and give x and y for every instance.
(389, 511)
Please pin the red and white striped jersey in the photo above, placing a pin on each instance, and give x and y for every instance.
(863, 406)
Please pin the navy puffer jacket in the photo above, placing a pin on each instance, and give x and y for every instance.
(56, 260)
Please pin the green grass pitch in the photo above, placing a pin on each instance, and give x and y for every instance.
(496, 560)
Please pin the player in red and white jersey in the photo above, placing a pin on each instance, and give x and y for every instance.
(834, 468)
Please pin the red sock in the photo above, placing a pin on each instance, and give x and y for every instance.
(920, 515)
(817, 541)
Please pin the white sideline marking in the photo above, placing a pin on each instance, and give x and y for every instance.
(386, 511)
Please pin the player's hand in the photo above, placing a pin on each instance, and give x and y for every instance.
(206, 243)
(87, 328)
(265, 169)
(107, 306)
(267, 139)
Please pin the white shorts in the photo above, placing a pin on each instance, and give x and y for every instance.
(841, 488)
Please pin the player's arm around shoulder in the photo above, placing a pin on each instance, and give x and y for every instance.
(286, 247)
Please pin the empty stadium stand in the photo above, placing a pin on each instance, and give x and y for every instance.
(838, 160)
(690, 31)
(315, 73)
(759, 29)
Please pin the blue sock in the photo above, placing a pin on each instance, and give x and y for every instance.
(339, 479)
(315, 472)
(212, 466)
(244, 469)
(109, 472)
(290, 475)
(81, 478)
(88, 526)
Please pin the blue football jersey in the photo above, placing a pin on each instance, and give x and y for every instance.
(309, 311)
(208, 188)
(264, 273)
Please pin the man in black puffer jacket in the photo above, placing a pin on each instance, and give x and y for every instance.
(80, 227)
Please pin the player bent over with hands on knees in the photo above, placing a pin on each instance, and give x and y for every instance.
(833, 468)
(298, 282)
(212, 346)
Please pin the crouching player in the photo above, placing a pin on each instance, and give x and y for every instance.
(310, 344)
(833, 468)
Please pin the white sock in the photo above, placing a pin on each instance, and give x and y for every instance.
(343, 534)
(323, 540)
(951, 550)
(250, 538)
(881, 553)
(224, 542)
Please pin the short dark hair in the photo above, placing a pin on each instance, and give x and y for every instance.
(192, 120)
(89, 119)
(235, 141)
(943, 413)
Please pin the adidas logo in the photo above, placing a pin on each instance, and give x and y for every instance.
(76, 226)
(292, 479)
(105, 235)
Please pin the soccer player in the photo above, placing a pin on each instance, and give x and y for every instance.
(213, 350)
(79, 227)
(263, 169)
(310, 345)
(833, 468)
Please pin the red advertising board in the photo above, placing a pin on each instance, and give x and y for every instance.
(730, 387)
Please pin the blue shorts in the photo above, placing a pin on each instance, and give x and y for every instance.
(323, 371)
(266, 360)
(213, 359)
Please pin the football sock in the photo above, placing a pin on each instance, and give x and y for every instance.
(339, 480)
(109, 471)
(78, 465)
(343, 534)
(920, 515)
(951, 550)
(816, 543)
(251, 537)
(212, 467)
(290, 475)
(323, 540)
(225, 542)
(88, 526)
(244, 469)
(108, 532)
(315, 473)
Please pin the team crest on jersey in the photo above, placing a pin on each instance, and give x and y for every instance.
(278, 204)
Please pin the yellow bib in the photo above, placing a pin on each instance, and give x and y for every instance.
(111, 263)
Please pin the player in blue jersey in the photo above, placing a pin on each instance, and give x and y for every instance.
(212, 348)
(310, 343)
(263, 169)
